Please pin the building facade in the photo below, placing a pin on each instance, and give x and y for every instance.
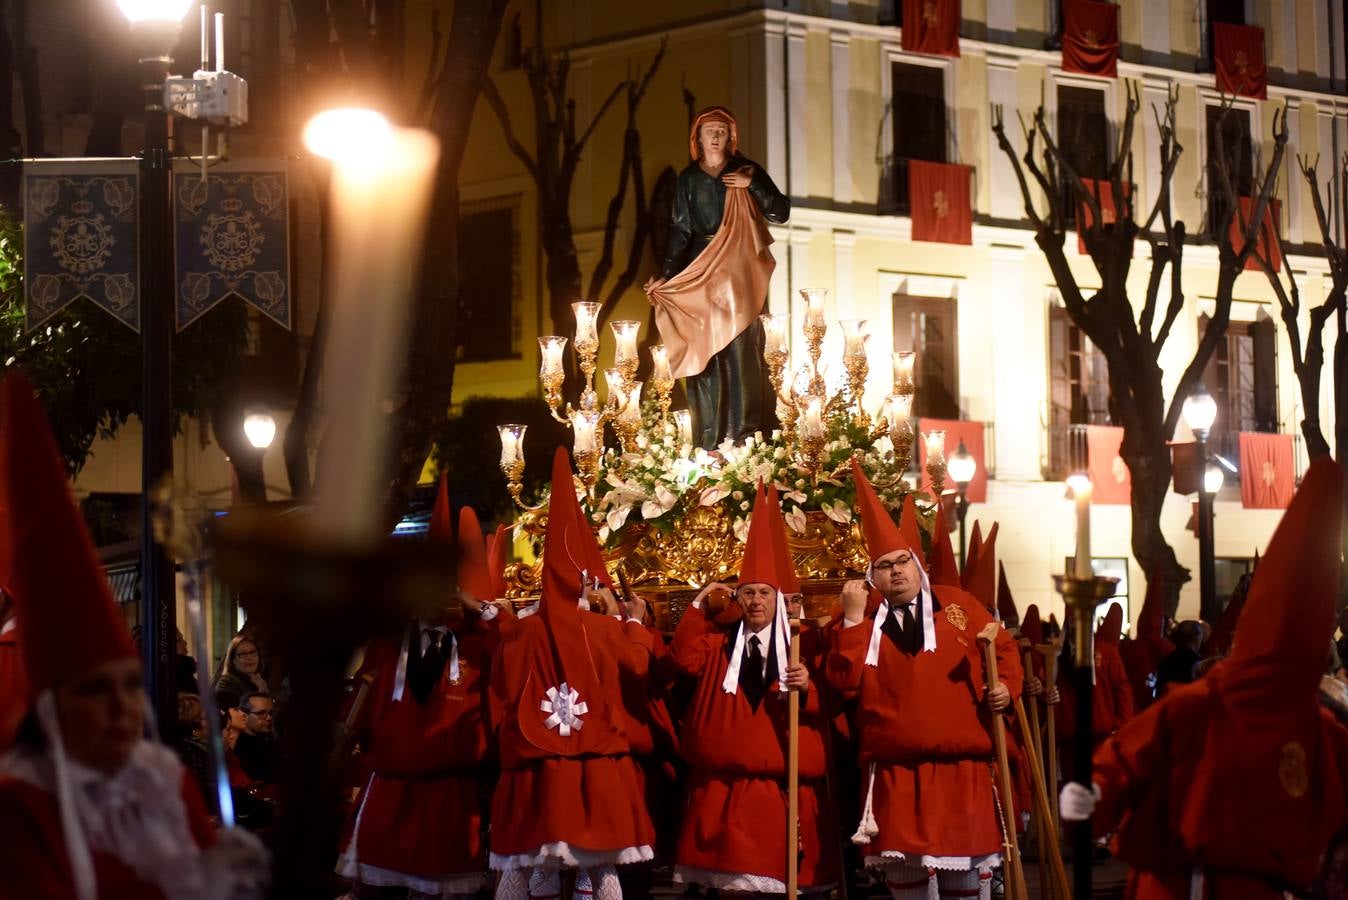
(833, 107)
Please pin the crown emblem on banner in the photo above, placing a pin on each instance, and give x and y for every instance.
(1241, 62)
(931, 15)
(940, 205)
(1269, 474)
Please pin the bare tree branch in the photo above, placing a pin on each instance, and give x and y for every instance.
(497, 104)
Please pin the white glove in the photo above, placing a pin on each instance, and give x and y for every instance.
(236, 867)
(1075, 803)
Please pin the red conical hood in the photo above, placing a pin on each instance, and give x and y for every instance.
(911, 531)
(971, 556)
(760, 547)
(1030, 626)
(943, 567)
(983, 573)
(474, 572)
(559, 651)
(1288, 620)
(498, 548)
(882, 535)
(441, 527)
(786, 565)
(1111, 629)
(1006, 604)
(66, 613)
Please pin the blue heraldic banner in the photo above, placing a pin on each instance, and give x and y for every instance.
(80, 237)
(232, 238)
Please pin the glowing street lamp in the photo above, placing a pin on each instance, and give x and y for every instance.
(962, 467)
(260, 429)
(1200, 413)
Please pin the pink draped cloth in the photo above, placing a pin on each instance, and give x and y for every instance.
(706, 306)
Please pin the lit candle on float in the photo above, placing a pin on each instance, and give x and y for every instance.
(587, 317)
(854, 338)
(903, 371)
(814, 306)
(551, 348)
(774, 332)
(512, 443)
(660, 370)
(812, 419)
(631, 412)
(684, 420)
(613, 378)
(935, 448)
(584, 424)
(625, 333)
(381, 186)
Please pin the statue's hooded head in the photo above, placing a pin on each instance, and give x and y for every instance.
(713, 114)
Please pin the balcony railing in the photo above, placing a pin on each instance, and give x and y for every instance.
(1068, 452)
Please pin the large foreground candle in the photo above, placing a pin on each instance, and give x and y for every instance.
(381, 187)
(1081, 491)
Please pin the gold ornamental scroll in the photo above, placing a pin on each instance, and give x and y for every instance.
(706, 306)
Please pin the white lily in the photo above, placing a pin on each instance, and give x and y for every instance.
(838, 511)
(796, 519)
(617, 517)
(713, 495)
(741, 529)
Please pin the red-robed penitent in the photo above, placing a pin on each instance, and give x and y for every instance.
(139, 832)
(569, 792)
(1238, 780)
(734, 826)
(925, 729)
(419, 821)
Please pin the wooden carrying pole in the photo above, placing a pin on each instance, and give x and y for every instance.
(1051, 868)
(793, 774)
(1015, 872)
(1050, 653)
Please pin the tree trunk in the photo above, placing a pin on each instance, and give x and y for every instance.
(474, 29)
(562, 270)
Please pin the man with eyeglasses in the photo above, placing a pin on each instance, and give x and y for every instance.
(735, 732)
(910, 652)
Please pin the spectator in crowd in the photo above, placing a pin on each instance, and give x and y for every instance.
(240, 673)
(253, 761)
(190, 745)
(1181, 666)
(185, 669)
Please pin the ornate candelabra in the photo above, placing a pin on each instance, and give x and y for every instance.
(512, 459)
(662, 379)
(585, 426)
(587, 348)
(936, 462)
(854, 363)
(815, 328)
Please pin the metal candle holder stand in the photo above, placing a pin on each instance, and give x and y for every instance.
(1082, 596)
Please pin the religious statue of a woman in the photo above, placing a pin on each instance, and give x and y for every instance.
(714, 282)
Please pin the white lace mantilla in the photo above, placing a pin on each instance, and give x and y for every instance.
(571, 857)
(945, 863)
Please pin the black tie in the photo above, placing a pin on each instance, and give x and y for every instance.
(752, 679)
(901, 628)
(429, 666)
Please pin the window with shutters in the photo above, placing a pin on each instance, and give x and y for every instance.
(927, 326)
(919, 116)
(1242, 377)
(1083, 135)
(1229, 136)
(1078, 374)
(488, 279)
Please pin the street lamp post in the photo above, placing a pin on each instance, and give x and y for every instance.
(962, 467)
(155, 25)
(1200, 412)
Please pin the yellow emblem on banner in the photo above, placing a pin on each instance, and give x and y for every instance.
(956, 616)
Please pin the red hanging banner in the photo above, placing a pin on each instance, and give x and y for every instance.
(1238, 57)
(1103, 191)
(971, 433)
(1110, 479)
(1267, 472)
(1268, 244)
(1185, 466)
(1090, 37)
(932, 26)
(942, 209)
